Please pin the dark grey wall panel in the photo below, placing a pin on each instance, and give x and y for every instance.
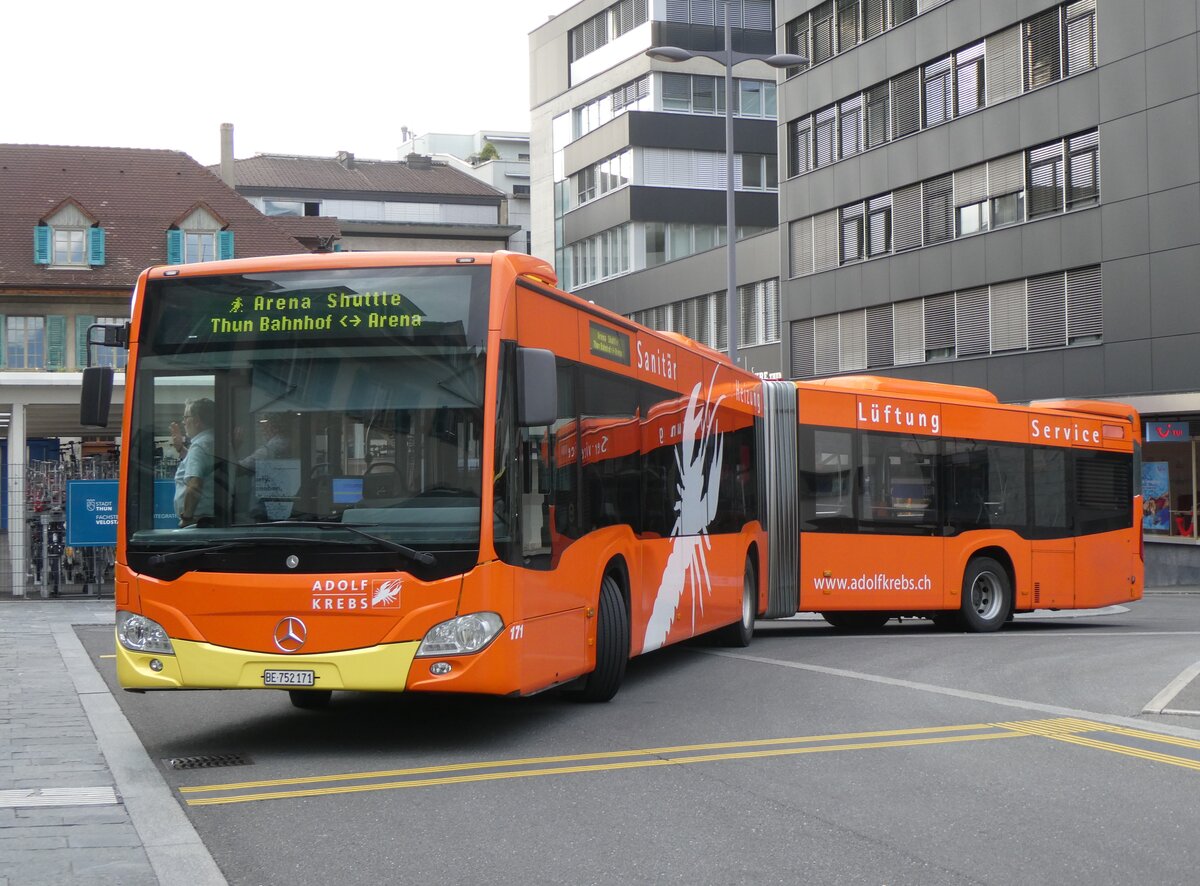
(701, 207)
(1128, 368)
(1165, 21)
(964, 23)
(905, 273)
(824, 294)
(848, 287)
(1126, 286)
(1078, 103)
(610, 138)
(1002, 128)
(931, 34)
(1123, 87)
(664, 130)
(1081, 238)
(876, 283)
(1006, 377)
(1173, 294)
(1039, 116)
(933, 152)
(1122, 28)
(1175, 219)
(1173, 133)
(1125, 228)
(902, 162)
(968, 263)
(965, 141)
(1171, 70)
(1174, 362)
(1041, 247)
(995, 15)
(1004, 254)
(935, 269)
(1044, 375)
(1123, 168)
(970, 372)
(1083, 371)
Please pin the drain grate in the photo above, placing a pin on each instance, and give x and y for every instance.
(208, 761)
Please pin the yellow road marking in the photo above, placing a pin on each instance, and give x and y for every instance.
(1064, 729)
(574, 758)
(108, 656)
(598, 767)
(1069, 730)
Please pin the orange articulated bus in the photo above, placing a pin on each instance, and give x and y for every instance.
(935, 500)
(422, 472)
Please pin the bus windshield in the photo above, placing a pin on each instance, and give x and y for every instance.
(290, 404)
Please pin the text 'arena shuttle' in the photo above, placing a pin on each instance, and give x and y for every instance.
(438, 472)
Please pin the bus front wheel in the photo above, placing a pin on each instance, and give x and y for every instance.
(612, 644)
(987, 596)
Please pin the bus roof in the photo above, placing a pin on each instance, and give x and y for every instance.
(878, 384)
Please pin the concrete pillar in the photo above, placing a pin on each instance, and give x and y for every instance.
(18, 538)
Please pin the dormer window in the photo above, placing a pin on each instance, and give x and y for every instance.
(70, 246)
(199, 235)
(69, 237)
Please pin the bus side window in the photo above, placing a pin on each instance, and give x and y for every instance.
(826, 478)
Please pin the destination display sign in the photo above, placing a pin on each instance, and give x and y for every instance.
(608, 343)
(342, 305)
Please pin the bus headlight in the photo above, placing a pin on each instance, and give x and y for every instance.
(461, 636)
(140, 634)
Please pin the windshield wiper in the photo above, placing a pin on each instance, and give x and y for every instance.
(188, 553)
(423, 557)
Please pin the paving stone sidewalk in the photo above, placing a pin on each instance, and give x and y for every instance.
(80, 801)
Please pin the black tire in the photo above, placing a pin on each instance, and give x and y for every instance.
(987, 596)
(856, 621)
(310, 699)
(741, 632)
(612, 644)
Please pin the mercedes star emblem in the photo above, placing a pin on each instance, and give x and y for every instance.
(290, 634)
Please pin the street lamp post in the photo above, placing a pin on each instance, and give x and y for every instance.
(728, 58)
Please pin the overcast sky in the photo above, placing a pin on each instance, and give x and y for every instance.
(294, 77)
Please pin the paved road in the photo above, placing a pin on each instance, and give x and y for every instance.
(904, 756)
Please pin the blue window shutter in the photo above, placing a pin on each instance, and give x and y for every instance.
(56, 342)
(95, 246)
(41, 245)
(225, 244)
(174, 246)
(82, 322)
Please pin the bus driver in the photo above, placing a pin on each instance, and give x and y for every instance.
(193, 478)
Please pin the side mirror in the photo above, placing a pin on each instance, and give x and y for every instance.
(96, 397)
(537, 387)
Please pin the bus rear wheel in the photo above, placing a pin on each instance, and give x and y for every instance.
(741, 632)
(987, 597)
(612, 644)
(310, 699)
(856, 621)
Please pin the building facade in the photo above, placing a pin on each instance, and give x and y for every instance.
(77, 226)
(628, 166)
(1006, 194)
(416, 204)
(495, 157)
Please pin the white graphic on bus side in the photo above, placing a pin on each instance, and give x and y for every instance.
(687, 565)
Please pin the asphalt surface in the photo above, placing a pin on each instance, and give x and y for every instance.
(665, 784)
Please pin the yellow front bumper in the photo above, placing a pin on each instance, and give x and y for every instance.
(204, 666)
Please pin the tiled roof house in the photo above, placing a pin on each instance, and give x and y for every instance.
(414, 204)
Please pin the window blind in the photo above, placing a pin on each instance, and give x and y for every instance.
(853, 340)
(939, 323)
(1047, 311)
(908, 331)
(971, 308)
(1003, 68)
(906, 103)
(826, 359)
(825, 240)
(803, 348)
(1008, 316)
(800, 248)
(879, 336)
(1085, 306)
(906, 218)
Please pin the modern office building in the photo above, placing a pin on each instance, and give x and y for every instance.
(1003, 193)
(628, 166)
(496, 157)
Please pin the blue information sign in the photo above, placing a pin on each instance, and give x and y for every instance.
(164, 505)
(91, 513)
